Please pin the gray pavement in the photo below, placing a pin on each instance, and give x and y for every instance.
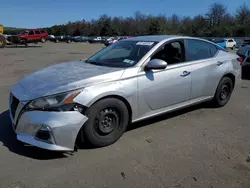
(196, 147)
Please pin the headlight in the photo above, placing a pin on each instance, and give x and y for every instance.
(54, 101)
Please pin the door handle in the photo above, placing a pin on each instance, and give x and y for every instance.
(219, 63)
(185, 73)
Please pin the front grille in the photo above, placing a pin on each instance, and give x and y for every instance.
(13, 105)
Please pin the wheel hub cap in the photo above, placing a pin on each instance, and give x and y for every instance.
(224, 92)
(107, 121)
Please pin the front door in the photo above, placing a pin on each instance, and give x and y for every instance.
(31, 36)
(171, 86)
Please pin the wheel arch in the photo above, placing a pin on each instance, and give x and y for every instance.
(231, 76)
(125, 101)
(80, 137)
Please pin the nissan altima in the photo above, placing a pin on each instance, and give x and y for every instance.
(94, 100)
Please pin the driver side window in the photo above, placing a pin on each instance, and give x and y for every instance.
(31, 33)
(171, 52)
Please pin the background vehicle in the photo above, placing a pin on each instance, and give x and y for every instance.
(3, 40)
(114, 40)
(29, 36)
(95, 40)
(66, 38)
(244, 53)
(128, 81)
(245, 43)
(230, 43)
(219, 42)
(80, 39)
(35, 35)
(110, 40)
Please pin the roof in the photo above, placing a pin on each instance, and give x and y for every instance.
(153, 38)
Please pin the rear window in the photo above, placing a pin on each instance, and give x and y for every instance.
(42, 31)
(198, 50)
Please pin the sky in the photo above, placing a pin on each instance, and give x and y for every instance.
(45, 13)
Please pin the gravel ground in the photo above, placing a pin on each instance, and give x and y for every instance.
(196, 147)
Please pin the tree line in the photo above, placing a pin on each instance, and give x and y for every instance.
(217, 22)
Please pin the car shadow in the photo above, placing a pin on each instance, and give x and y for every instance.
(150, 75)
(8, 138)
(23, 46)
(166, 116)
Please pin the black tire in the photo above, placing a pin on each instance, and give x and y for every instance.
(69, 41)
(223, 92)
(100, 130)
(56, 41)
(24, 42)
(2, 41)
(43, 40)
(233, 48)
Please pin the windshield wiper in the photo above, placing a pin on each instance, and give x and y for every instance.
(94, 63)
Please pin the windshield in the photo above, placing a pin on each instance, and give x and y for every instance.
(121, 54)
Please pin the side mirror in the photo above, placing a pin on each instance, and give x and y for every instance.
(156, 64)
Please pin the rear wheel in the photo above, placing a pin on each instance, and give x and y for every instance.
(2, 41)
(233, 48)
(108, 120)
(223, 92)
(43, 40)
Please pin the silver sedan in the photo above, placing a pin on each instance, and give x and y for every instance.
(94, 100)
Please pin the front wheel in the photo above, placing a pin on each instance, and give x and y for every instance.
(108, 120)
(223, 92)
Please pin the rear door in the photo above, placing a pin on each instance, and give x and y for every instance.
(206, 69)
(37, 35)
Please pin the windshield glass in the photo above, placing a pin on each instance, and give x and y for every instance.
(121, 54)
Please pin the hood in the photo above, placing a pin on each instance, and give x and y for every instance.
(64, 77)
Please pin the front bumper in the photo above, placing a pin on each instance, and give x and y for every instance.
(64, 127)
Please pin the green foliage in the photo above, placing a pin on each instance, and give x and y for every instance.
(12, 30)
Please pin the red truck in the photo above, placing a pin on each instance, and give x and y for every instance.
(30, 36)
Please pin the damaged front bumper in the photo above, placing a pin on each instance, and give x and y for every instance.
(48, 130)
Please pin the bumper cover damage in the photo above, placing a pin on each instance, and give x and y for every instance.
(64, 127)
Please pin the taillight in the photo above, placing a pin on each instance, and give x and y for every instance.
(240, 59)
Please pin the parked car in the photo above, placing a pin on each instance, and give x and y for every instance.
(113, 40)
(66, 38)
(95, 99)
(95, 40)
(245, 43)
(244, 53)
(80, 39)
(219, 42)
(29, 36)
(110, 41)
(230, 43)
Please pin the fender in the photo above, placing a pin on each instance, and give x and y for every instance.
(93, 93)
